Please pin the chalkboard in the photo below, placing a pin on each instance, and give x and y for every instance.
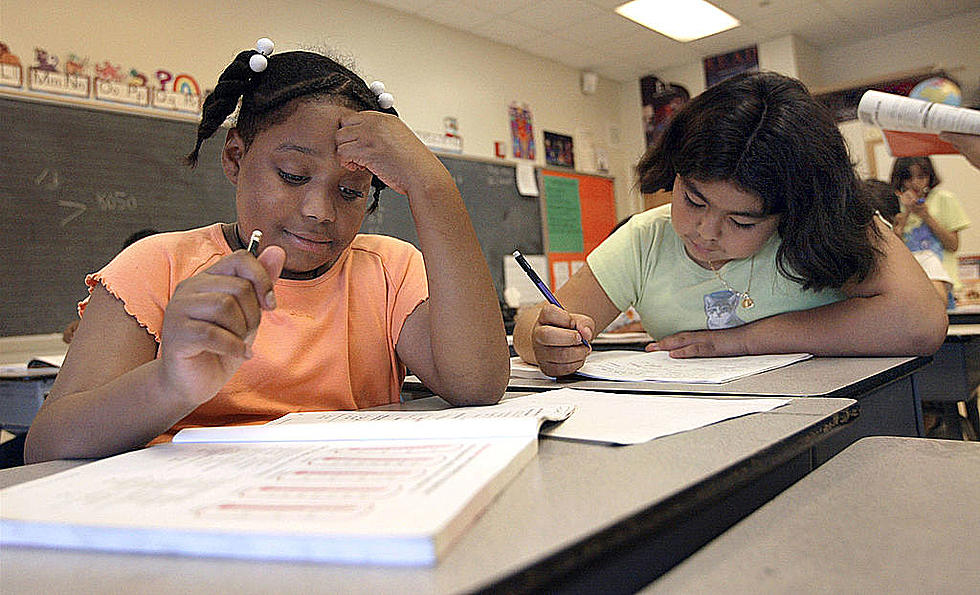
(75, 182)
(503, 219)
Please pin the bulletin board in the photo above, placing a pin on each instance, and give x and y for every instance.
(578, 211)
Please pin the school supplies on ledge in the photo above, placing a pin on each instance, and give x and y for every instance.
(658, 366)
(910, 126)
(380, 499)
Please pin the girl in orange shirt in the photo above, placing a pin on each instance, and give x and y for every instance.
(188, 328)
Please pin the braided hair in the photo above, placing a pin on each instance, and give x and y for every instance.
(266, 96)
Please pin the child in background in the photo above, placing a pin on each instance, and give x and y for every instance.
(189, 329)
(931, 218)
(768, 242)
(885, 199)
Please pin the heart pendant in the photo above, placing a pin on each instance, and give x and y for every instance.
(747, 302)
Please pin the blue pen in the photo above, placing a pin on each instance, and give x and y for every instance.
(541, 286)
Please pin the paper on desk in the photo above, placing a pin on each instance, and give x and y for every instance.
(527, 181)
(658, 366)
(504, 420)
(617, 418)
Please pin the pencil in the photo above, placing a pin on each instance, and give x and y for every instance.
(253, 243)
(541, 286)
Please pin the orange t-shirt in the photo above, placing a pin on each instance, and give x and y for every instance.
(329, 344)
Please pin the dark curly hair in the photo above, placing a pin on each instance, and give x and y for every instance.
(269, 97)
(765, 133)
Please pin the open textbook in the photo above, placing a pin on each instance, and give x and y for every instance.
(658, 366)
(388, 496)
(910, 126)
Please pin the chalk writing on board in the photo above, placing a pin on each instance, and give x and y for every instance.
(498, 177)
(115, 201)
(78, 209)
(47, 179)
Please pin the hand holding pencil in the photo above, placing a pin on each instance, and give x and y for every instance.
(212, 319)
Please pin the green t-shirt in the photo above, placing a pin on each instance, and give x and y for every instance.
(644, 265)
(946, 209)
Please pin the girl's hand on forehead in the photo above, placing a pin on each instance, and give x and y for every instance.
(384, 145)
(212, 319)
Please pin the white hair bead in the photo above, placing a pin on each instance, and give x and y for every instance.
(264, 46)
(377, 87)
(386, 100)
(258, 63)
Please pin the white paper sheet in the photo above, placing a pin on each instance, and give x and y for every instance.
(527, 180)
(658, 366)
(505, 420)
(618, 418)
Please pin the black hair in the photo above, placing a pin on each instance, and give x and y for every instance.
(269, 97)
(902, 171)
(764, 133)
(883, 198)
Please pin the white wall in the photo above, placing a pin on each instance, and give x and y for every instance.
(953, 44)
(435, 72)
(432, 71)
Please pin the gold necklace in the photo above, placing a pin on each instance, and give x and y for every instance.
(747, 301)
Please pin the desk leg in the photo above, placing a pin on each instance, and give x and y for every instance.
(920, 424)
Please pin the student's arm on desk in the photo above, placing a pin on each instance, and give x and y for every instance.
(552, 337)
(895, 311)
(113, 394)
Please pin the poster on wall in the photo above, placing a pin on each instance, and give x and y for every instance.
(723, 66)
(558, 150)
(522, 131)
(660, 102)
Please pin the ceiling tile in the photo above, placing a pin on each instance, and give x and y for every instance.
(563, 51)
(453, 14)
(553, 15)
(410, 6)
(499, 7)
(506, 31)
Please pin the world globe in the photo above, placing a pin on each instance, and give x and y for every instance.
(938, 90)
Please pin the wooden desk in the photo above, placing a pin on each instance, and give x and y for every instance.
(580, 515)
(887, 515)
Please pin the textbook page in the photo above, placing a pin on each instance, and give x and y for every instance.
(400, 502)
(658, 366)
(895, 112)
(617, 418)
(504, 420)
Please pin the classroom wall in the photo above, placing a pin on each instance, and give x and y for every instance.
(433, 71)
(950, 44)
